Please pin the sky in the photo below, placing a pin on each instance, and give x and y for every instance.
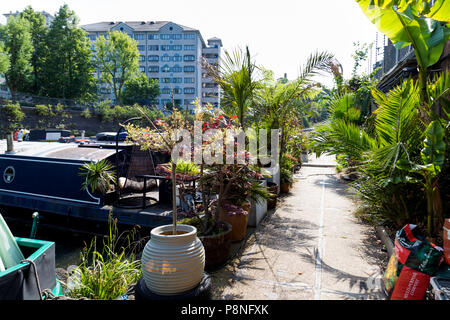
(280, 34)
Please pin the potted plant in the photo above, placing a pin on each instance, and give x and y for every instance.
(272, 187)
(286, 179)
(100, 176)
(173, 260)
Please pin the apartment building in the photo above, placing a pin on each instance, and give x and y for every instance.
(172, 54)
(48, 17)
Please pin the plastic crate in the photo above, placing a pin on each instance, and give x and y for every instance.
(441, 288)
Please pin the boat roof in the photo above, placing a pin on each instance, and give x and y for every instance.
(57, 150)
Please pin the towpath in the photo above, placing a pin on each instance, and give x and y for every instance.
(312, 247)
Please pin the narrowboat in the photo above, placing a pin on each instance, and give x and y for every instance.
(45, 177)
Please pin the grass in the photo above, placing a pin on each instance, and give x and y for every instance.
(107, 274)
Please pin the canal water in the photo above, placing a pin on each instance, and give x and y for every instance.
(68, 245)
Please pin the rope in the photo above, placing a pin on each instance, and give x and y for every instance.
(36, 276)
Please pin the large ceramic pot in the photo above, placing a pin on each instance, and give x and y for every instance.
(273, 189)
(217, 247)
(173, 264)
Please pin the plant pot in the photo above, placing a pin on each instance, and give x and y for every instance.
(284, 187)
(217, 247)
(239, 226)
(172, 264)
(238, 222)
(273, 188)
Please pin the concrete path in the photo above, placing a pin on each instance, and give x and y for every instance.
(311, 247)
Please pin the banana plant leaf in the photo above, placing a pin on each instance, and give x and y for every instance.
(409, 22)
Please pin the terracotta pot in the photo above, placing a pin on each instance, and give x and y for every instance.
(217, 248)
(237, 221)
(284, 187)
(172, 264)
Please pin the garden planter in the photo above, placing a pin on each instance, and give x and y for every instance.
(173, 264)
(239, 226)
(238, 222)
(272, 202)
(258, 209)
(217, 247)
(284, 187)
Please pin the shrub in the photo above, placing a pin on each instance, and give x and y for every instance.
(107, 274)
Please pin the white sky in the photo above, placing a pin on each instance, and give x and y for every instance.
(280, 33)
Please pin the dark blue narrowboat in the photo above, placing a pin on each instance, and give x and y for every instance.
(45, 177)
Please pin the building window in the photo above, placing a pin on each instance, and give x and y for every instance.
(142, 69)
(189, 69)
(177, 68)
(177, 58)
(92, 37)
(165, 47)
(189, 36)
(177, 36)
(165, 80)
(153, 69)
(153, 58)
(189, 90)
(165, 37)
(141, 47)
(177, 47)
(166, 101)
(166, 58)
(153, 48)
(188, 101)
(153, 36)
(177, 91)
(189, 47)
(142, 58)
(166, 68)
(177, 80)
(189, 80)
(189, 58)
(165, 91)
(211, 55)
(139, 36)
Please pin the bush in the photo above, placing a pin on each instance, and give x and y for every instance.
(11, 115)
(86, 113)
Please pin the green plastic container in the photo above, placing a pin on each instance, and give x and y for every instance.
(10, 253)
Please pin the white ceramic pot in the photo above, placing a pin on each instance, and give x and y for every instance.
(172, 264)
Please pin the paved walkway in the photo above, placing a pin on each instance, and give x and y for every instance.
(311, 247)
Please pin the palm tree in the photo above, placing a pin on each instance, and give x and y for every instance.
(236, 76)
(277, 103)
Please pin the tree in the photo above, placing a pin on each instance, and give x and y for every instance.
(140, 89)
(17, 44)
(360, 55)
(11, 115)
(117, 60)
(236, 77)
(4, 59)
(70, 72)
(38, 30)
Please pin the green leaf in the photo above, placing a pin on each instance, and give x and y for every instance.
(433, 152)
